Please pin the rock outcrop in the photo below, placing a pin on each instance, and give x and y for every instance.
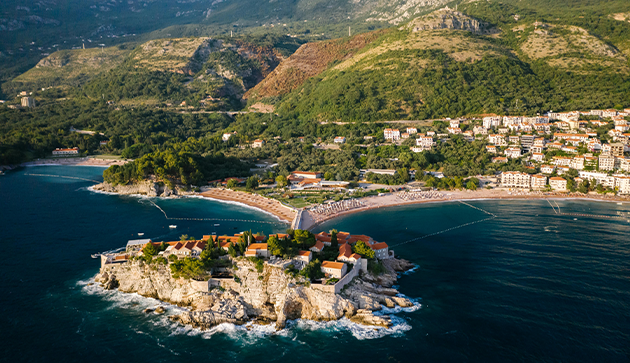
(147, 187)
(267, 296)
(448, 19)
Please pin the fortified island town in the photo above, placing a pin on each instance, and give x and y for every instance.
(268, 279)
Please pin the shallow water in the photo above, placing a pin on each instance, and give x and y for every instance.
(526, 286)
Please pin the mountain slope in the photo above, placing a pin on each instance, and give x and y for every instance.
(195, 70)
(429, 68)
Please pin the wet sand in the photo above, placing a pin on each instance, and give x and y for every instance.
(253, 200)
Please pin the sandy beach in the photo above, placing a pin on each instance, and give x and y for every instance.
(84, 161)
(270, 206)
(311, 220)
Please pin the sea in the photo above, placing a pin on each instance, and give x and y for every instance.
(495, 281)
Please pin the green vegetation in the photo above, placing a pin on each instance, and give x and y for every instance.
(376, 267)
(364, 250)
(175, 166)
(313, 270)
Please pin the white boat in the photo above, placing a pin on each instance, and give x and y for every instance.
(619, 203)
(172, 226)
(216, 224)
(140, 234)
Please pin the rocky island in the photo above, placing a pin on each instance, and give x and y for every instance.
(268, 280)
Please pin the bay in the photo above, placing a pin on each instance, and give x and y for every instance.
(528, 285)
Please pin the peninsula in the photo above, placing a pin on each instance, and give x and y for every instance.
(266, 279)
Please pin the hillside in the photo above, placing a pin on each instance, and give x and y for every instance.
(451, 64)
(69, 68)
(308, 61)
(206, 71)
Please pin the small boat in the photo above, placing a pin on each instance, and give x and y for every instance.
(172, 226)
(140, 234)
(216, 224)
(619, 203)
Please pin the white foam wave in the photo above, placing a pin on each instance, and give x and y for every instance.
(411, 270)
(359, 331)
(250, 332)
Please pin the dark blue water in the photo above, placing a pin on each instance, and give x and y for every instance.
(528, 285)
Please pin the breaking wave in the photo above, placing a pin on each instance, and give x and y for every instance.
(250, 332)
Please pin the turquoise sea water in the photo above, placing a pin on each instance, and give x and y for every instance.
(528, 285)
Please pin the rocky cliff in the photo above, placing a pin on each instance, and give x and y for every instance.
(269, 296)
(448, 19)
(147, 187)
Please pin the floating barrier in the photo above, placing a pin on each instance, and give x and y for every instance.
(210, 219)
(64, 177)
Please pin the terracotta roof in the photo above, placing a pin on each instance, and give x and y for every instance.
(318, 245)
(334, 265)
(379, 246)
(257, 246)
(304, 253)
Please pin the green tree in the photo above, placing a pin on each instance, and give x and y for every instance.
(334, 244)
(149, 250)
(232, 183)
(252, 183)
(231, 250)
(313, 270)
(328, 175)
(275, 246)
(303, 238)
(363, 249)
(282, 181)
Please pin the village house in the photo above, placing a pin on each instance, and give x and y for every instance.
(577, 163)
(454, 130)
(515, 179)
(538, 157)
(392, 134)
(513, 152)
(514, 140)
(497, 140)
(536, 149)
(562, 170)
(334, 269)
(555, 145)
(318, 247)
(569, 149)
(404, 135)
(623, 184)
(538, 182)
(491, 149)
(346, 254)
(66, 152)
(478, 130)
(304, 256)
(454, 124)
(257, 250)
(227, 136)
(412, 130)
(500, 159)
(606, 162)
(258, 143)
(547, 169)
(558, 183)
(340, 140)
(492, 122)
(425, 141)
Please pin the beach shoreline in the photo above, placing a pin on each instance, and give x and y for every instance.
(255, 201)
(82, 161)
(390, 201)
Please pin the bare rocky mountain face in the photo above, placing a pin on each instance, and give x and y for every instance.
(272, 296)
(449, 19)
